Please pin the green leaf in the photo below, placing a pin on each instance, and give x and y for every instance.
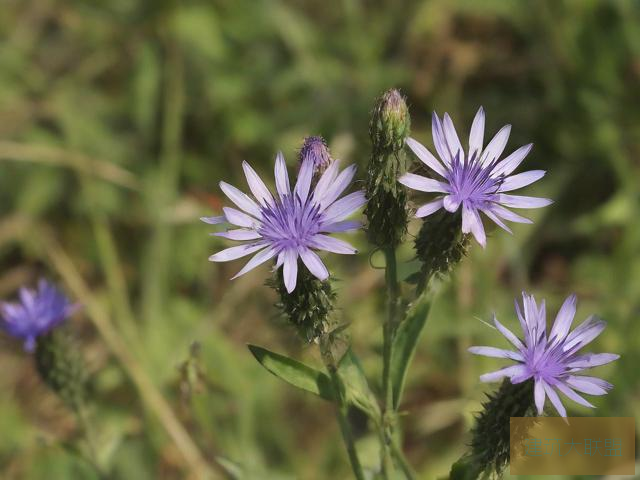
(295, 373)
(405, 342)
(355, 383)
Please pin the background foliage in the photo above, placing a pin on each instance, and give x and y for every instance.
(118, 118)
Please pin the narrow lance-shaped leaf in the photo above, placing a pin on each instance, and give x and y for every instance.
(294, 373)
(356, 386)
(405, 342)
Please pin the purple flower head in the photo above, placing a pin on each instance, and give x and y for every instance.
(552, 360)
(292, 224)
(36, 314)
(315, 149)
(475, 182)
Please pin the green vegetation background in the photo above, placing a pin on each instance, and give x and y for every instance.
(119, 117)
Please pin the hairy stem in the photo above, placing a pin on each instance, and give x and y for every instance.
(389, 328)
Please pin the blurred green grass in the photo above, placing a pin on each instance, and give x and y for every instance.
(118, 118)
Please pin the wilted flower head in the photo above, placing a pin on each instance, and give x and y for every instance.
(36, 314)
(293, 223)
(475, 182)
(315, 149)
(552, 361)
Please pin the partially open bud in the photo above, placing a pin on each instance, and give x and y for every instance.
(307, 308)
(390, 122)
(61, 367)
(386, 209)
(440, 245)
(315, 149)
(490, 443)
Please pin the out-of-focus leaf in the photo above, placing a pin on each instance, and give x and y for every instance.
(295, 373)
(405, 342)
(356, 386)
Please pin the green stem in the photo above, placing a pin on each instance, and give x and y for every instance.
(85, 424)
(341, 414)
(399, 457)
(389, 329)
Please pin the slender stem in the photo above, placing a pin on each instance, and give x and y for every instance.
(389, 328)
(149, 392)
(85, 424)
(341, 413)
(399, 457)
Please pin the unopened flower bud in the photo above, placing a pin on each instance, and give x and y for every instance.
(61, 367)
(440, 245)
(386, 209)
(315, 149)
(307, 308)
(490, 443)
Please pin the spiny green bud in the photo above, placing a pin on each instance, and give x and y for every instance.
(440, 245)
(386, 208)
(490, 444)
(61, 367)
(308, 307)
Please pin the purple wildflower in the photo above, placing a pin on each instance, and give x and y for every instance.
(292, 224)
(477, 181)
(36, 314)
(551, 361)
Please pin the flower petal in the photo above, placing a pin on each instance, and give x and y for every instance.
(290, 269)
(506, 214)
(563, 320)
(555, 400)
(258, 259)
(327, 179)
(334, 190)
(281, 176)
(241, 199)
(238, 251)
(590, 360)
(214, 220)
(429, 208)
(241, 219)
(451, 203)
(496, 145)
(426, 157)
(566, 391)
(439, 140)
(342, 226)
(476, 135)
(497, 353)
(330, 244)
(589, 385)
(344, 207)
(497, 220)
(508, 334)
(521, 201)
(511, 371)
(450, 134)
(314, 264)
(422, 184)
(538, 395)
(239, 234)
(256, 185)
(509, 164)
(471, 222)
(304, 179)
(584, 333)
(521, 180)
